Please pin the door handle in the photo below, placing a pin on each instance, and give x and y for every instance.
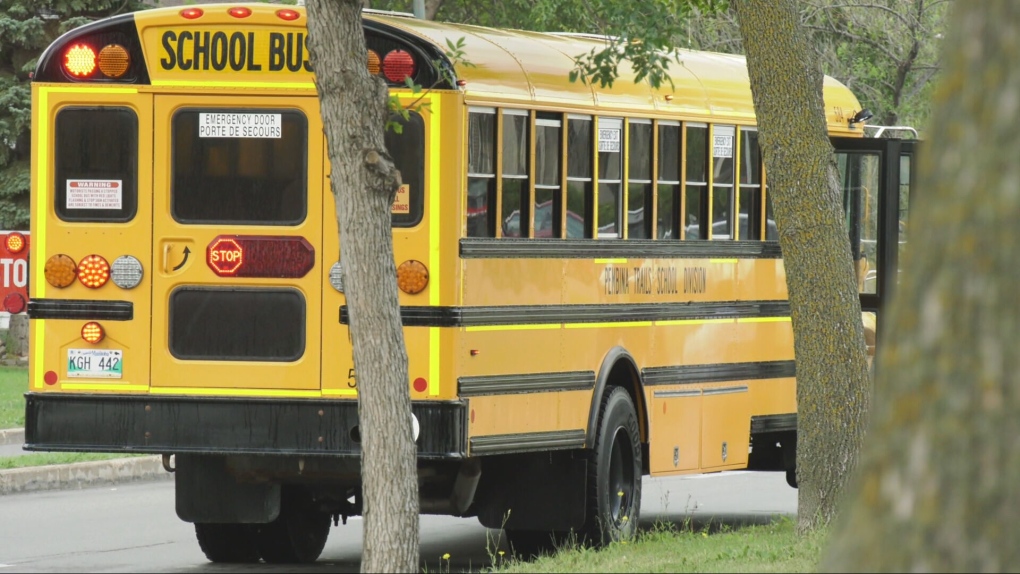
(166, 258)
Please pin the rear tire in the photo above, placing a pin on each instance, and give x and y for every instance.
(614, 473)
(298, 535)
(227, 543)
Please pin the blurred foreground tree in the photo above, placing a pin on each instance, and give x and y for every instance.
(939, 487)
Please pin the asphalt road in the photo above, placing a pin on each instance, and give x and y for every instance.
(133, 527)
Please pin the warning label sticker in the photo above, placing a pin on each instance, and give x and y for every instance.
(240, 126)
(402, 202)
(95, 194)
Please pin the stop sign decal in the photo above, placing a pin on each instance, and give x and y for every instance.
(279, 256)
(225, 256)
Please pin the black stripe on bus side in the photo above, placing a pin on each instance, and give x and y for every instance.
(515, 248)
(525, 383)
(81, 309)
(611, 313)
(690, 374)
(527, 442)
(773, 423)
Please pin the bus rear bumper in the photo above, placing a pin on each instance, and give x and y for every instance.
(222, 425)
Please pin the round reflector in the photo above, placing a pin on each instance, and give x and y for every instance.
(420, 385)
(287, 14)
(60, 271)
(15, 242)
(239, 12)
(374, 63)
(93, 271)
(14, 303)
(92, 332)
(191, 13)
(412, 277)
(398, 65)
(80, 60)
(126, 272)
(336, 276)
(114, 60)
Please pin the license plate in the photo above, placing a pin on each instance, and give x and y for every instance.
(95, 363)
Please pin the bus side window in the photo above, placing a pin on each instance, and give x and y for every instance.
(723, 208)
(696, 177)
(481, 189)
(514, 188)
(668, 182)
(407, 149)
(610, 178)
(750, 186)
(548, 157)
(579, 177)
(639, 179)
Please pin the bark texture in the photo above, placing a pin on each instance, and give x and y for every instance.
(364, 181)
(832, 372)
(939, 484)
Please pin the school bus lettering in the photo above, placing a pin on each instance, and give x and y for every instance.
(695, 280)
(643, 280)
(617, 280)
(239, 51)
(665, 281)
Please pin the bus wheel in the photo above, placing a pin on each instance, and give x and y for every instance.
(614, 473)
(298, 535)
(227, 542)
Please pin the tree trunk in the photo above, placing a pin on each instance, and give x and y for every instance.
(432, 8)
(939, 487)
(364, 181)
(832, 372)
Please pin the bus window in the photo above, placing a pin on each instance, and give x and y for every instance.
(257, 178)
(610, 177)
(750, 185)
(515, 173)
(96, 164)
(579, 159)
(639, 179)
(668, 182)
(407, 148)
(696, 188)
(859, 173)
(481, 200)
(904, 210)
(548, 199)
(722, 182)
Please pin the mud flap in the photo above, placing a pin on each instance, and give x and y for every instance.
(208, 493)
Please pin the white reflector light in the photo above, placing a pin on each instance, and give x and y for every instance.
(336, 277)
(126, 272)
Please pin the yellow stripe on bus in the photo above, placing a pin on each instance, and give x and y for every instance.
(606, 325)
(620, 261)
(765, 320)
(535, 327)
(435, 224)
(724, 261)
(204, 84)
(692, 322)
(102, 387)
(339, 392)
(234, 392)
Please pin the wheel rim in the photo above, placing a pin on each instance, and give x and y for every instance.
(621, 477)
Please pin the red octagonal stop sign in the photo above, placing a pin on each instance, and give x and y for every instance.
(279, 256)
(225, 256)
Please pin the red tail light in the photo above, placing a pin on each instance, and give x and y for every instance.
(398, 65)
(80, 60)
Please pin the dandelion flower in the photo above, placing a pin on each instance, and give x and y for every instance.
(446, 556)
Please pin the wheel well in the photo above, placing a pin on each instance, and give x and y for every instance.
(619, 370)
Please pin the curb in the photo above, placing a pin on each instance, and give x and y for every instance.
(12, 436)
(82, 475)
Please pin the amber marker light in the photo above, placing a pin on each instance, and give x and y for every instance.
(92, 332)
(60, 271)
(412, 277)
(80, 60)
(374, 63)
(93, 271)
(15, 242)
(114, 60)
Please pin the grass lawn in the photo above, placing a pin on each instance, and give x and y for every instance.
(13, 385)
(47, 458)
(770, 548)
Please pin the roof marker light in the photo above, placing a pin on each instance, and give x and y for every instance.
(287, 14)
(192, 13)
(239, 12)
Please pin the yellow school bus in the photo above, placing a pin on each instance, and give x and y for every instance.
(591, 283)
